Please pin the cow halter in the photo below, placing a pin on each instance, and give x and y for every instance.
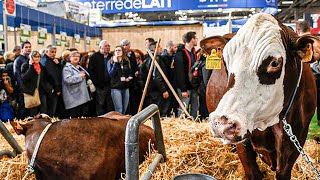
(30, 168)
(288, 129)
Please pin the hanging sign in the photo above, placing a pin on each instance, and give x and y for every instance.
(67, 43)
(25, 32)
(58, 42)
(1, 33)
(10, 7)
(42, 33)
(98, 41)
(63, 36)
(87, 40)
(77, 38)
(213, 61)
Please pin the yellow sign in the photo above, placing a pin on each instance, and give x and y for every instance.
(213, 61)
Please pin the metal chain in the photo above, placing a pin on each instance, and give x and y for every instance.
(288, 129)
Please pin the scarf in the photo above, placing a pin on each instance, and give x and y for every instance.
(37, 68)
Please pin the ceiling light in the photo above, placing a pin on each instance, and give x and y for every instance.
(190, 11)
(279, 10)
(204, 11)
(287, 2)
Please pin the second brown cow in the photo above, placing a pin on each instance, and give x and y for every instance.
(91, 148)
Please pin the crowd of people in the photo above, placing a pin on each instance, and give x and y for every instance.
(94, 83)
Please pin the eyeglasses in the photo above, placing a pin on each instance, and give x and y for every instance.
(36, 56)
(75, 56)
(118, 50)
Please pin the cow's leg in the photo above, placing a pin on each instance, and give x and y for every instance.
(248, 159)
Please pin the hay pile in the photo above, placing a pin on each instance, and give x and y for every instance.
(13, 168)
(191, 148)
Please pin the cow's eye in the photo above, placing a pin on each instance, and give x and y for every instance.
(275, 63)
(270, 70)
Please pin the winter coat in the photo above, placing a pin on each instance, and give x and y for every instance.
(74, 88)
(53, 72)
(30, 80)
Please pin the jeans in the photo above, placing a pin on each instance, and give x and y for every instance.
(120, 98)
(191, 100)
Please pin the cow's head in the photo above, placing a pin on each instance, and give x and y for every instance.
(256, 59)
(30, 124)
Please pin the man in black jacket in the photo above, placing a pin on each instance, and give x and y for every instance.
(53, 69)
(100, 77)
(183, 62)
(24, 57)
(157, 89)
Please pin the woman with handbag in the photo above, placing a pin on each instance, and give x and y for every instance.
(74, 87)
(34, 85)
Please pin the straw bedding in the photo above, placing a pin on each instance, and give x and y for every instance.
(190, 148)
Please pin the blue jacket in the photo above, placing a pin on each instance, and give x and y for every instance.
(74, 88)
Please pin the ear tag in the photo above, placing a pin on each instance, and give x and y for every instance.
(307, 57)
(213, 61)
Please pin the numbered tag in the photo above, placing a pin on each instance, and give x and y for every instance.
(123, 78)
(213, 61)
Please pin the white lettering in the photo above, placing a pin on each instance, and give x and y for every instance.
(100, 4)
(88, 5)
(128, 4)
(119, 5)
(137, 4)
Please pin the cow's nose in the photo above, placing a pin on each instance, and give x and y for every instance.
(231, 129)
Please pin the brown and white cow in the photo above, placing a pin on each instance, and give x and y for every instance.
(262, 66)
(73, 149)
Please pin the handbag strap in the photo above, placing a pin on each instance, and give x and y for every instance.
(38, 81)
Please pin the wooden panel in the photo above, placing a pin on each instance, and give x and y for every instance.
(137, 35)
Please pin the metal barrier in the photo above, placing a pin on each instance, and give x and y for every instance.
(132, 142)
(10, 139)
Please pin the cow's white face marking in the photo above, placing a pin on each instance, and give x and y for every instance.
(256, 105)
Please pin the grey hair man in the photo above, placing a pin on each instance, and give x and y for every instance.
(101, 79)
(53, 69)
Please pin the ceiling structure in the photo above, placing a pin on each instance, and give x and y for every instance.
(288, 12)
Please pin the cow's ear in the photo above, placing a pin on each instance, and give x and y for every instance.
(308, 48)
(19, 128)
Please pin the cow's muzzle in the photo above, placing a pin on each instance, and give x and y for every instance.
(228, 130)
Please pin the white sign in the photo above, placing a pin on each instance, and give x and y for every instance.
(95, 16)
(10, 7)
(25, 30)
(30, 3)
(42, 33)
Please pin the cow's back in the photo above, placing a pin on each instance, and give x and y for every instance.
(90, 148)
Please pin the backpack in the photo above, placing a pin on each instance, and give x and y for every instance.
(194, 75)
(6, 112)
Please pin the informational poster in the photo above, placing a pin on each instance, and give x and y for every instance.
(98, 41)
(42, 35)
(77, 38)
(75, 11)
(88, 40)
(25, 32)
(67, 43)
(63, 36)
(58, 42)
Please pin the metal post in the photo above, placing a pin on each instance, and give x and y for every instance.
(5, 28)
(8, 136)
(54, 33)
(85, 39)
(132, 139)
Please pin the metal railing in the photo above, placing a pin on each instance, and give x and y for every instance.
(10, 139)
(132, 142)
